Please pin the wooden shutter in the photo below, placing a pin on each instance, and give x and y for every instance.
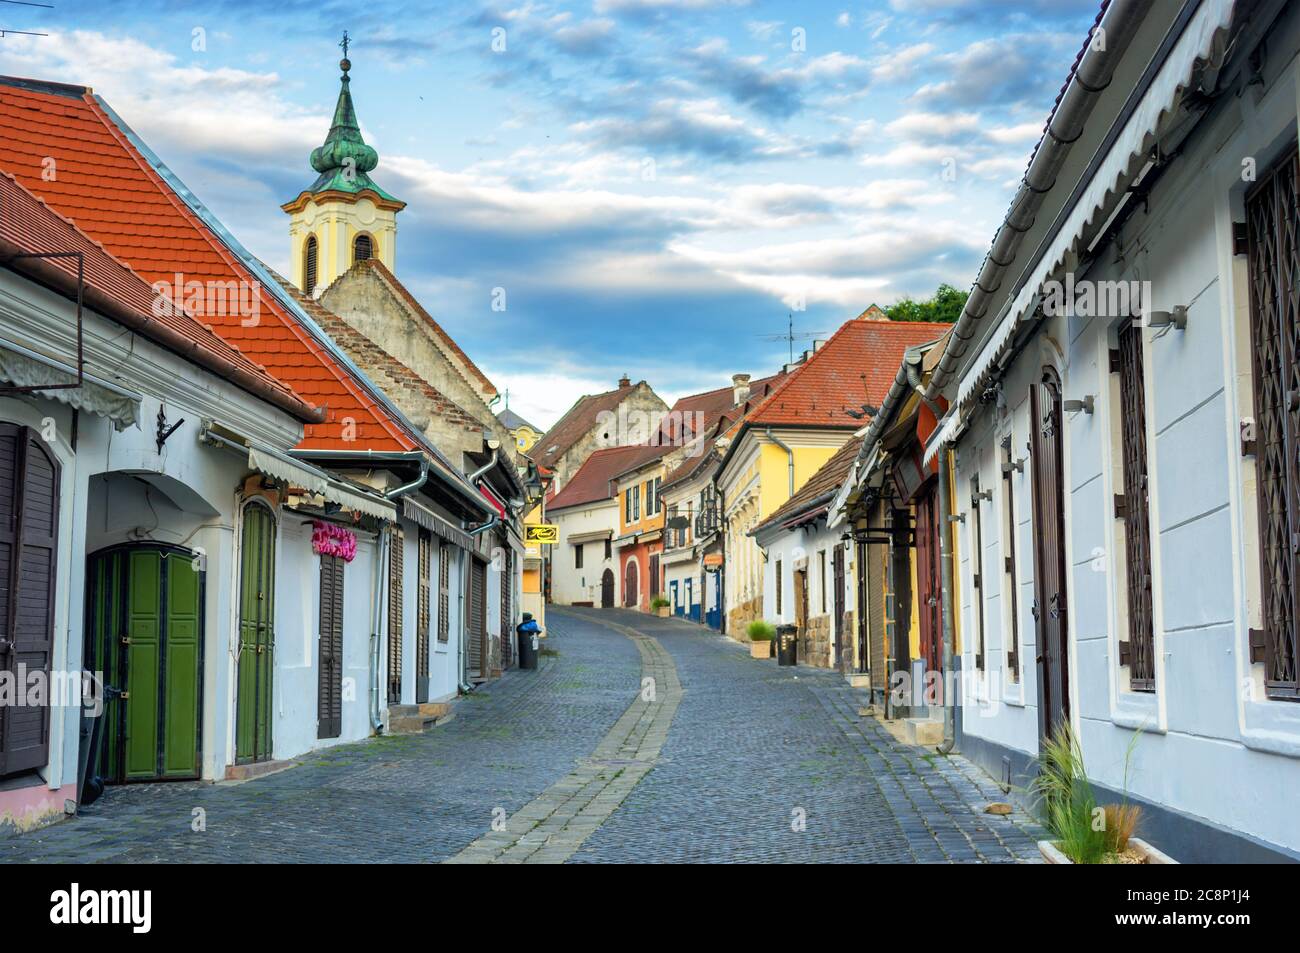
(780, 586)
(654, 576)
(1011, 584)
(396, 567)
(977, 571)
(1051, 599)
(309, 266)
(423, 609)
(29, 530)
(329, 697)
(477, 627)
(362, 248)
(877, 555)
(837, 603)
(1273, 247)
(444, 592)
(507, 627)
(1139, 650)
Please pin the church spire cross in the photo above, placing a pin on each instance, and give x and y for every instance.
(343, 44)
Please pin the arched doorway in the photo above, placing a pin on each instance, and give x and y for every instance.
(607, 589)
(256, 634)
(629, 584)
(146, 637)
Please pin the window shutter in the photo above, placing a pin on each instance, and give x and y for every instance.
(29, 510)
(329, 696)
(395, 567)
(1273, 250)
(309, 266)
(1009, 560)
(423, 572)
(977, 570)
(362, 248)
(444, 592)
(1132, 507)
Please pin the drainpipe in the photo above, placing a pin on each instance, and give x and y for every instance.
(945, 596)
(789, 454)
(411, 487)
(473, 477)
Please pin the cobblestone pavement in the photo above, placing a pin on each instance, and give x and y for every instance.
(723, 761)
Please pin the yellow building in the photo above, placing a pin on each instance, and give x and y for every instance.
(343, 217)
(525, 434)
(798, 427)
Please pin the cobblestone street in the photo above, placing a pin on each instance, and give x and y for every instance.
(717, 758)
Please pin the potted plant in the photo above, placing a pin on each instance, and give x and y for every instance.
(1084, 832)
(659, 605)
(761, 633)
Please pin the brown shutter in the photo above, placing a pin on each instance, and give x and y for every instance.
(29, 510)
(1009, 561)
(977, 571)
(1273, 247)
(507, 626)
(476, 628)
(329, 695)
(444, 592)
(1135, 513)
(396, 566)
(425, 556)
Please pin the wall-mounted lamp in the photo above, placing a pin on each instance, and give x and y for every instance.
(1177, 318)
(1074, 406)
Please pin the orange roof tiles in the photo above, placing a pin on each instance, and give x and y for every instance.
(856, 366)
(594, 481)
(103, 184)
(28, 224)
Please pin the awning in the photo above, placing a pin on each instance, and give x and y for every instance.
(590, 537)
(281, 466)
(23, 368)
(1203, 40)
(513, 540)
(424, 517)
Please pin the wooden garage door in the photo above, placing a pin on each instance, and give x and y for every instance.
(29, 502)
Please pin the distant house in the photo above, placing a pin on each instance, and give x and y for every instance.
(772, 451)
(614, 418)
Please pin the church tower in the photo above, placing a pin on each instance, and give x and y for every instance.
(342, 217)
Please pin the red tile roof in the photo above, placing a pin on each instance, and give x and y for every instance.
(856, 366)
(111, 192)
(594, 481)
(579, 419)
(29, 226)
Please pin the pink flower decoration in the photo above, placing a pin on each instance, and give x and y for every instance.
(327, 539)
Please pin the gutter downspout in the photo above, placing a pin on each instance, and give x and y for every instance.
(789, 454)
(474, 477)
(945, 604)
(1090, 78)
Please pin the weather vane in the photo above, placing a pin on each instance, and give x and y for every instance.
(344, 44)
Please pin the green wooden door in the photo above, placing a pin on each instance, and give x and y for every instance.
(147, 640)
(256, 635)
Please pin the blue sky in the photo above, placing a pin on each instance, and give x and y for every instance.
(656, 184)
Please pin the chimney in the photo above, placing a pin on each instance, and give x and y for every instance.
(624, 381)
(819, 344)
(739, 388)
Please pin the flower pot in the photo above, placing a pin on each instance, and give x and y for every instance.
(1053, 855)
(760, 649)
(662, 612)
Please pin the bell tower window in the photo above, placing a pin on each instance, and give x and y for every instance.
(363, 248)
(309, 266)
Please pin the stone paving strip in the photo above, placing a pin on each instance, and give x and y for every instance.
(551, 828)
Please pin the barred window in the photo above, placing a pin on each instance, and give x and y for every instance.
(363, 248)
(1273, 250)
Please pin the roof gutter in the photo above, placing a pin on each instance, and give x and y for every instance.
(18, 259)
(1090, 78)
(380, 457)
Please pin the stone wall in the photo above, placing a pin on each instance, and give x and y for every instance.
(815, 642)
(741, 616)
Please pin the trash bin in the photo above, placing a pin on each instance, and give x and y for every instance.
(528, 630)
(787, 645)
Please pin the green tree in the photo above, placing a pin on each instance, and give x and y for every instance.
(945, 305)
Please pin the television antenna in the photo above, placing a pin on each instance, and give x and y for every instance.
(791, 335)
(5, 31)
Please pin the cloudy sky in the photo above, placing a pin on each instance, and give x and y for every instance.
(656, 184)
